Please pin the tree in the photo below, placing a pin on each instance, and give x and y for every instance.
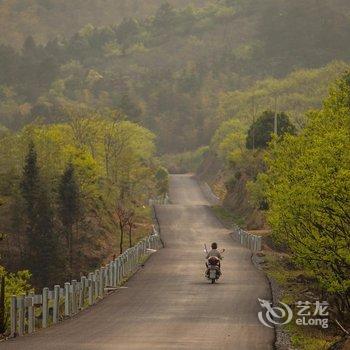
(308, 191)
(165, 16)
(260, 132)
(69, 209)
(228, 141)
(162, 178)
(127, 32)
(131, 225)
(124, 216)
(42, 256)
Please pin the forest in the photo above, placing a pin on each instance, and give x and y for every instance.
(290, 184)
(100, 99)
(168, 70)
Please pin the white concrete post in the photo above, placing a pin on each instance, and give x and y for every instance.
(74, 297)
(13, 316)
(67, 299)
(117, 272)
(129, 261)
(21, 314)
(259, 244)
(107, 269)
(114, 273)
(135, 258)
(56, 304)
(111, 274)
(31, 314)
(105, 277)
(82, 292)
(45, 307)
(91, 288)
(120, 270)
(122, 266)
(96, 282)
(101, 282)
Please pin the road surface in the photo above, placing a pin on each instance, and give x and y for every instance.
(169, 304)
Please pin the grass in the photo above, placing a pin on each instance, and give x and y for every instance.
(309, 339)
(226, 216)
(297, 284)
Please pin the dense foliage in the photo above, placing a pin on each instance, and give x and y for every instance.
(308, 190)
(294, 94)
(260, 132)
(167, 70)
(60, 186)
(46, 19)
(14, 284)
(75, 110)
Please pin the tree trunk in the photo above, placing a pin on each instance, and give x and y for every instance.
(121, 238)
(130, 241)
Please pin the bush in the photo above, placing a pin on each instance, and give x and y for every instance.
(260, 132)
(15, 284)
(309, 193)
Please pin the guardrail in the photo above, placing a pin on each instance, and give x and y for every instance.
(160, 200)
(247, 239)
(29, 312)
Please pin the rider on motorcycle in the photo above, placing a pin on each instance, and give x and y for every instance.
(214, 253)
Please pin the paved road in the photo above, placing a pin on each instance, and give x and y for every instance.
(169, 304)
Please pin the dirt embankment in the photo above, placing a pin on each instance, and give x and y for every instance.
(230, 186)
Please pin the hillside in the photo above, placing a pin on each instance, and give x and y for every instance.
(45, 19)
(99, 99)
(167, 71)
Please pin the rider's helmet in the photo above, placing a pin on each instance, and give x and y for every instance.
(214, 245)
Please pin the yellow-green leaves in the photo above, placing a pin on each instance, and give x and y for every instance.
(309, 191)
(229, 141)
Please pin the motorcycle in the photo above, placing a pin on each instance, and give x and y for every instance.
(213, 272)
(213, 264)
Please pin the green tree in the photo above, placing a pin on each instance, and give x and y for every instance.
(162, 178)
(228, 141)
(260, 132)
(308, 191)
(69, 209)
(42, 256)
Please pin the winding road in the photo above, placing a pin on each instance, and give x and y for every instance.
(169, 304)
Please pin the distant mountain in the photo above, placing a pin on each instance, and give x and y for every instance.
(168, 70)
(44, 19)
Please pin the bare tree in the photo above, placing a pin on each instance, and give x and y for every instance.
(125, 219)
(131, 225)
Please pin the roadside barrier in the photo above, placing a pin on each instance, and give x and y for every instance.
(246, 239)
(160, 200)
(29, 312)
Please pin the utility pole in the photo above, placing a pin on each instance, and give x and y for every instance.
(276, 118)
